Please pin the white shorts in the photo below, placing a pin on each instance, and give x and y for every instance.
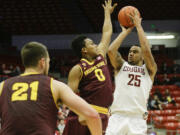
(126, 125)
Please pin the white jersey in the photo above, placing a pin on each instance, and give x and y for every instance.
(133, 85)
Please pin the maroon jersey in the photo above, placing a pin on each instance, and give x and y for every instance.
(27, 106)
(96, 84)
(96, 88)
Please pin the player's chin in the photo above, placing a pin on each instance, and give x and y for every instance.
(131, 62)
(95, 55)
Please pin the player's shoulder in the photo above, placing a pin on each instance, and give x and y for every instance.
(7, 81)
(57, 85)
(76, 70)
(11, 78)
(56, 82)
(145, 67)
(125, 63)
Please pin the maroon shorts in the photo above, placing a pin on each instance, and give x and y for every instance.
(73, 127)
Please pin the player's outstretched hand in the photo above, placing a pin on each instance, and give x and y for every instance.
(126, 30)
(136, 19)
(108, 6)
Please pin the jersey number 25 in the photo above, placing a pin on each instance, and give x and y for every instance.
(134, 80)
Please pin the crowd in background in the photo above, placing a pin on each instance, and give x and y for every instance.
(157, 100)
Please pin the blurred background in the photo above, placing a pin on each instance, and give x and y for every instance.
(56, 22)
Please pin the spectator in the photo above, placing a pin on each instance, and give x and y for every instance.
(166, 80)
(175, 68)
(164, 68)
(4, 70)
(168, 98)
(156, 81)
(155, 103)
(61, 126)
(1, 70)
(158, 93)
(17, 70)
(175, 79)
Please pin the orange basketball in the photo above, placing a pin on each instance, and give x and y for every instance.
(123, 17)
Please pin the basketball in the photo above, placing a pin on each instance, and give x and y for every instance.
(123, 17)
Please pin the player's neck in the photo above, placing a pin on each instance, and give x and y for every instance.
(90, 59)
(33, 70)
(140, 63)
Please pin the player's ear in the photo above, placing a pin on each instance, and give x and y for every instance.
(42, 62)
(84, 50)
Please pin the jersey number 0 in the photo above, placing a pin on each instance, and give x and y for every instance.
(99, 74)
(20, 91)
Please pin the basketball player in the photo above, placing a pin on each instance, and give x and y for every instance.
(28, 103)
(133, 81)
(91, 76)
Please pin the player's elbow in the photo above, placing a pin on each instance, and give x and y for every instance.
(155, 68)
(110, 51)
(107, 30)
(107, 34)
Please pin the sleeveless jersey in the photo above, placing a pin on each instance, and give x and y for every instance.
(27, 106)
(133, 85)
(96, 84)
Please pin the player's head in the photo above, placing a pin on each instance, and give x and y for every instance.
(135, 55)
(35, 55)
(84, 46)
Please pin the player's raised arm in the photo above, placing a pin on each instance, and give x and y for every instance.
(74, 78)
(146, 50)
(79, 106)
(115, 57)
(107, 27)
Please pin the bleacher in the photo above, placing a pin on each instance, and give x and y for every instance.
(166, 118)
(35, 17)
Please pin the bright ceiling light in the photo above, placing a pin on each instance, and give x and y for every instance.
(161, 37)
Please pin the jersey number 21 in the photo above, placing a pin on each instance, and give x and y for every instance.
(20, 91)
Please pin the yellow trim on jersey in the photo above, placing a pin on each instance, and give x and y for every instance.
(90, 63)
(100, 109)
(1, 87)
(30, 73)
(81, 72)
(53, 93)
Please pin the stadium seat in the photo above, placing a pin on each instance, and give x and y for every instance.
(172, 125)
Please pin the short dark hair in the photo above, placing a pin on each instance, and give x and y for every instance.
(136, 45)
(32, 52)
(77, 44)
